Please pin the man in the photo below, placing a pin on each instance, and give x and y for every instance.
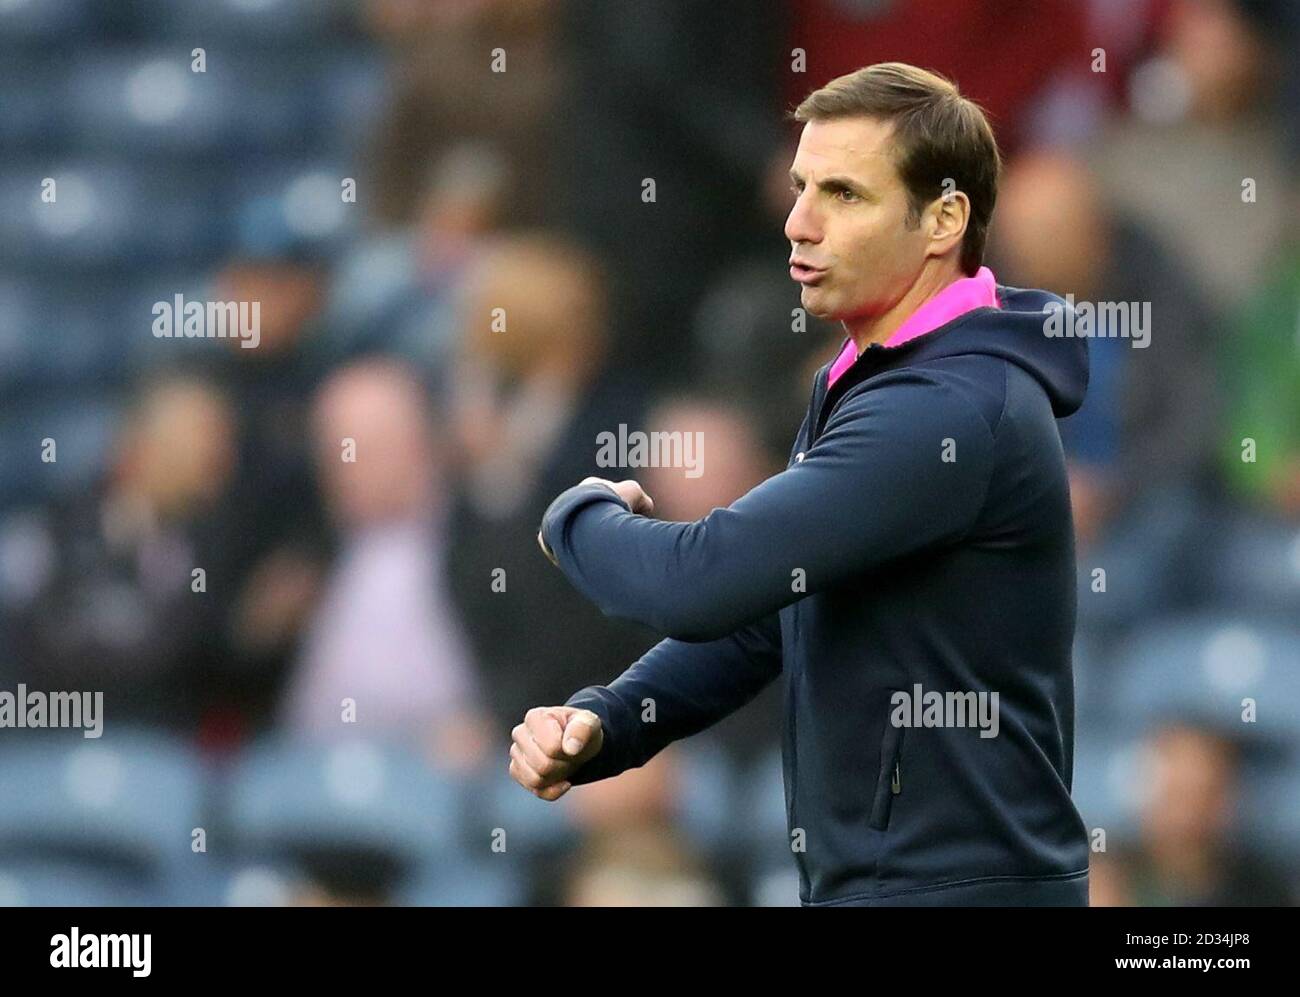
(911, 572)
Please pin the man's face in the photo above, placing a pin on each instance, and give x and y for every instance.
(851, 247)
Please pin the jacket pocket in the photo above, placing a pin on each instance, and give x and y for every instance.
(889, 781)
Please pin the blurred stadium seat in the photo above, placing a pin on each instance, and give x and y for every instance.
(52, 341)
(1145, 559)
(1093, 683)
(287, 206)
(1202, 667)
(149, 102)
(105, 215)
(492, 882)
(1253, 566)
(44, 21)
(296, 22)
(82, 425)
(68, 884)
(532, 827)
(1108, 779)
(35, 114)
(126, 804)
(1270, 808)
(284, 798)
(761, 809)
(707, 809)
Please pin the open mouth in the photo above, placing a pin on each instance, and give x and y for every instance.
(805, 274)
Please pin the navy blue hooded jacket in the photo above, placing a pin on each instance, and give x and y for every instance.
(920, 536)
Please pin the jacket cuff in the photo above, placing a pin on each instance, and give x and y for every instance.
(615, 755)
(565, 505)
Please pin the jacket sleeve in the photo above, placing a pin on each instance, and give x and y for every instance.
(675, 690)
(900, 467)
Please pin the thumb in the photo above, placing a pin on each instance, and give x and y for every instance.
(579, 730)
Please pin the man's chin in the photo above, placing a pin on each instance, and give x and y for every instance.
(816, 303)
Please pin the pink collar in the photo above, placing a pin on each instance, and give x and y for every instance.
(961, 296)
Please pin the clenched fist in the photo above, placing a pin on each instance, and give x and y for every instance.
(550, 745)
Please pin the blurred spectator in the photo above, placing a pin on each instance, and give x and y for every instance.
(1263, 361)
(730, 456)
(1150, 417)
(282, 534)
(1205, 122)
(632, 853)
(650, 795)
(384, 637)
(685, 97)
(1188, 855)
(1044, 92)
(396, 290)
(480, 70)
(532, 391)
(346, 877)
(1107, 886)
(648, 866)
(113, 604)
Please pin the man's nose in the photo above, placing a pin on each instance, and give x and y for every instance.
(801, 225)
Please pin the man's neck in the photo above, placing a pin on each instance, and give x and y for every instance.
(867, 329)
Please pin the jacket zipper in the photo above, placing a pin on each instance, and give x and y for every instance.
(857, 373)
(805, 443)
(891, 768)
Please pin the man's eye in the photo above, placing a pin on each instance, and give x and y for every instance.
(846, 195)
(796, 189)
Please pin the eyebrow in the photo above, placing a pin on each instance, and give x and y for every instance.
(836, 180)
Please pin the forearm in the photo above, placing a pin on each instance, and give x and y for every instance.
(675, 690)
(695, 581)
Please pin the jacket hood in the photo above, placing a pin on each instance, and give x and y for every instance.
(1017, 332)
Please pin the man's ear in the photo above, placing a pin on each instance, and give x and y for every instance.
(946, 219)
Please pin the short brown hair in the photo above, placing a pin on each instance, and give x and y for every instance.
(938, 135)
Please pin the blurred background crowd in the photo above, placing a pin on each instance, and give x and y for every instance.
(324, 717)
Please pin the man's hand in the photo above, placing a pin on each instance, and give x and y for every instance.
(629, 491)
(550, 745)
